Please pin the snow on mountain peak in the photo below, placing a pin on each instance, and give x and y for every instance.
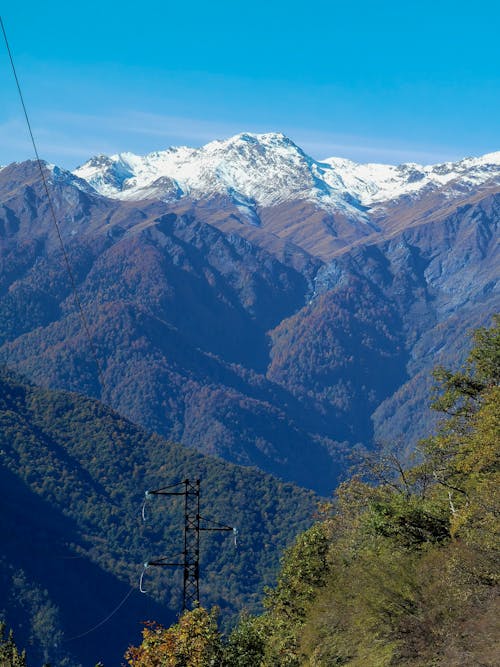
(261, 170)
(374, 183)
(255, 170)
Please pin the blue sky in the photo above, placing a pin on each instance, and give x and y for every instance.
(373, 81)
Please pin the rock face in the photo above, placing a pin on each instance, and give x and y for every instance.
(266, 170)
(247, 300)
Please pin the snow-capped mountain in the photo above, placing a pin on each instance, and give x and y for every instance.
(265, 170)
(253, 170)
(309, 329)
(372, 184)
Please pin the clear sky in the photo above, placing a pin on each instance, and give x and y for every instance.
(372, 81)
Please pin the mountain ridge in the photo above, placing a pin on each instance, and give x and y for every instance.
(281, 345)
(246, 166)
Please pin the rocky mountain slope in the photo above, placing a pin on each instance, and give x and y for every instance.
(269, 169)
(253, 170)
(266, 188)
(274, 310)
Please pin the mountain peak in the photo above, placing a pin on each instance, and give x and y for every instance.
(267, 169)
(268, 141)
(253, 170)
(269, 138)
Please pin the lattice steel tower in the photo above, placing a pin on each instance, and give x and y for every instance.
(192, 529)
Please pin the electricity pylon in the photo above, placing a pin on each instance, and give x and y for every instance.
(192, 530)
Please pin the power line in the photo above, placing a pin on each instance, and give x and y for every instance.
(105, 620)
(53, 215)
(192, 529)
(77, 300)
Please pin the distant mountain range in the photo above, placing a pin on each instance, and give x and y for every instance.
(248, 300)
(269, 169)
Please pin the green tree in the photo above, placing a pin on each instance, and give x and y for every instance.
(404, 570)
(247, 643)
(9, 653)
(304, 571)
(463, 457)
(401, 570)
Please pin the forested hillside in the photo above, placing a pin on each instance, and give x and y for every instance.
(236, 338)
(402, 569)
(72, 479)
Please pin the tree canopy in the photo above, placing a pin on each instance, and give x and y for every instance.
(402, 568)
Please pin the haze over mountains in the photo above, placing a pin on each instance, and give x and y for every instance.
(248, 300)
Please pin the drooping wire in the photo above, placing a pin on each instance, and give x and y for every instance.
(156, 562)
(153, 492)
(76, 297)
(105, 620)
(146, 565)
(143, 511)
(53, 214)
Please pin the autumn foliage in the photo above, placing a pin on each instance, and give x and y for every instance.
(192, 642)
(402, 568)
